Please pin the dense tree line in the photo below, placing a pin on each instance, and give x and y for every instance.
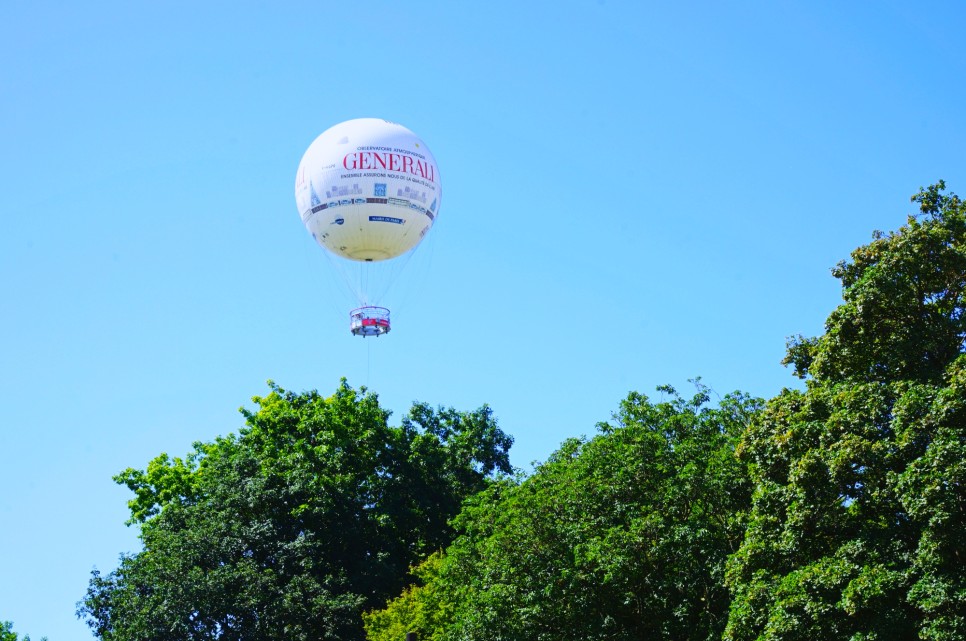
(836, 511)
(622, 536)
(294, 527)
(833, 512)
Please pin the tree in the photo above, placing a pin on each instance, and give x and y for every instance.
(624, 536)
(7, 633)
(289, 530)
(860, 500)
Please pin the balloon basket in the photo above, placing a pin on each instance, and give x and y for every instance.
(369, 321)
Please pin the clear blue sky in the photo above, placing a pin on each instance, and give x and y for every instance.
(635, 193)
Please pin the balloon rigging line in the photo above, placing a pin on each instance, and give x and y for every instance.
(350, 288)
(324, 285)
(417, 279)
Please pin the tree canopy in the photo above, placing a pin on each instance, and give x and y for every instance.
(290, 529)
(857, 521)
(7, 633)
(624, 536)
(831, 512)
(840, 515)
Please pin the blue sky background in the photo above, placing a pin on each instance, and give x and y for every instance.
(635, 193)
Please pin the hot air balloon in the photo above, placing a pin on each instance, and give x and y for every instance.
(368, 191)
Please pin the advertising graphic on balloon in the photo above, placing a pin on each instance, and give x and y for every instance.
(368, 190)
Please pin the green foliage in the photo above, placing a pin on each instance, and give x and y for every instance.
(830, 513)
(859, 504)
(423, 608)
(291, 529)
(624, 536)
(904, 298)
(7, 633)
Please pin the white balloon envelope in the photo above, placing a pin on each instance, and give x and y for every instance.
(368, 189)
